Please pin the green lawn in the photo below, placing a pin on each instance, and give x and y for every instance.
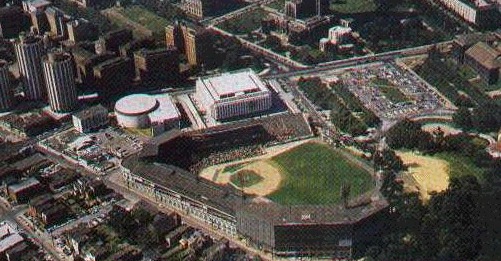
(353, 6)
(139, 132)
(146, 18)
(245, 178)
(244, 24)
(393, 94)
(449, 80)
(278, 5)
(390, 90)
(461, 166)
(313, 173)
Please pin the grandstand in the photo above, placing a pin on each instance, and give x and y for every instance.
(196, 150)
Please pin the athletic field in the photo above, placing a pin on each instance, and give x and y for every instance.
(313, 173)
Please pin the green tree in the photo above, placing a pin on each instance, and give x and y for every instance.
(462, 118)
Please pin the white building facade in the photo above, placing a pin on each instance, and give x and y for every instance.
(142, 111)
(469, 11)
(60, 82)
(29, 52)
(91, 119)
(232, 94)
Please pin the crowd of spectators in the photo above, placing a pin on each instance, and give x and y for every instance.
(229, 155)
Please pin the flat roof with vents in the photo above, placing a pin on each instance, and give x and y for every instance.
(233, 84)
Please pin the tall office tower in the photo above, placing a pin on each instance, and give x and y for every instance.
(60, 81)
(29, 52)
(6, 94)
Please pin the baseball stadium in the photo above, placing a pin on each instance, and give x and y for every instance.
(265, 181)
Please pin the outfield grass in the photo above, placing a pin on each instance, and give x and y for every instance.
(353, 6)
(313, 173)
(245, 178)
(461, 166)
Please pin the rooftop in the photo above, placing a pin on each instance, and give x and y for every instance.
(29, 162)
(5, 230)
(90, 112)
(232, 84)
(166, 111)
(28, 183)
(484, 54)
(36, 4)
(10, 241)
(309, 214)
(136, 104)
(175, 179)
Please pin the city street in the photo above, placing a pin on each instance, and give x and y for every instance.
(14, 216)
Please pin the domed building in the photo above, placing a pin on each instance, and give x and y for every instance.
(143, 111)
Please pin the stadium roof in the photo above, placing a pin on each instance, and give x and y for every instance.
(185, 183)
(233, 84)
(310, 214)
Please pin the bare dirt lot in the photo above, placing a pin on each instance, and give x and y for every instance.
(429, 173)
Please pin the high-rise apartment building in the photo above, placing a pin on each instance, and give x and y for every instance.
(12, 21)
(6, 94)
(29, 51)
(81, 30)
(301, 9)
(112, 41)
(57, 21)
(188, 40)
(114, 75)
(60, 81)
(199, 8)
(157, 65)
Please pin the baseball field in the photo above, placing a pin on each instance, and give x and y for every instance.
(303, 173)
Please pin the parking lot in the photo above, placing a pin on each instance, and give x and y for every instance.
(391, 92)
(100, 151)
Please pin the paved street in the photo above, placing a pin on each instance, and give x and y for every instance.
(14, 216)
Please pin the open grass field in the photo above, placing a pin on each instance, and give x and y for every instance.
(461, 166)
(279, 4)
(244, 24)
(245, 178)
(146, 18)
(353, 6)
(313, 173)
(140, 132)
